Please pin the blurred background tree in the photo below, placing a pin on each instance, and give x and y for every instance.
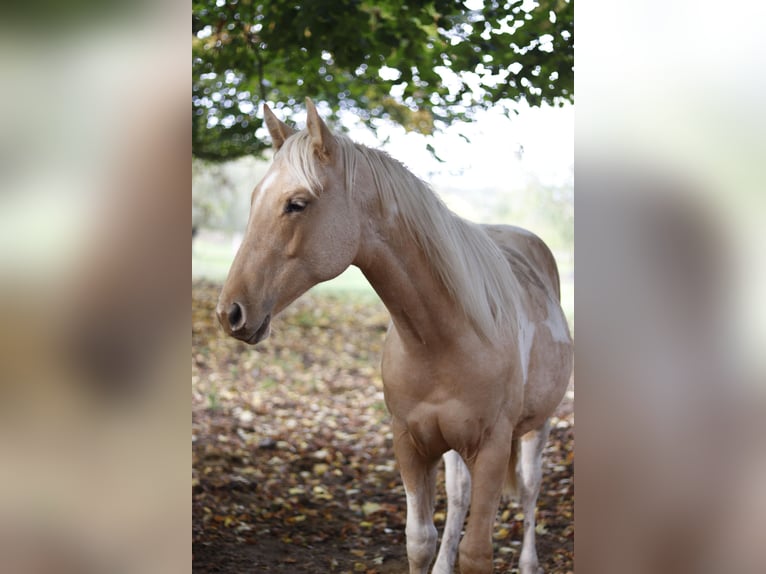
(423, 65)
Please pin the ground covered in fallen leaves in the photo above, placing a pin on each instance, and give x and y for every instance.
(293, 466)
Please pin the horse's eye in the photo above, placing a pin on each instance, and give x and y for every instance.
(295, 205)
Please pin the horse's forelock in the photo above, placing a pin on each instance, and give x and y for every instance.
(299, 156)
(305, 166)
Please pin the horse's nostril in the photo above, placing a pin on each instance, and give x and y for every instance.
(236, 316)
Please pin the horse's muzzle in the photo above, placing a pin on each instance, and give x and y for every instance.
(261, 332)
(234, 320)
(235, 317)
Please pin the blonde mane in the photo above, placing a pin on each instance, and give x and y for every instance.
(464, 258)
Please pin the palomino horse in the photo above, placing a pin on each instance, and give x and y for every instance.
(478, 354)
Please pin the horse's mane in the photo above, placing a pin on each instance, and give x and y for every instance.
(469, 264)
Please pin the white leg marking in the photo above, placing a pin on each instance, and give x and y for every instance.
(458, 482)
(531, 471)
(420, 531)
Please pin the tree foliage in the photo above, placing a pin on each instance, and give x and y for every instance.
(420, 64)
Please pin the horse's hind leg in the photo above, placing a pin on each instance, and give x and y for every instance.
(530, 474)
(458, 482)
(419, 477)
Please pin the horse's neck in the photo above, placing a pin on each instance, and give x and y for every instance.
(421, 309)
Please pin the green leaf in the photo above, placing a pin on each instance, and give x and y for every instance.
(280, 52)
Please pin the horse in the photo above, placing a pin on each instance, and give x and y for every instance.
(478, 353)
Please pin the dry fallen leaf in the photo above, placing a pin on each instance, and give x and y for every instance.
(293, 468)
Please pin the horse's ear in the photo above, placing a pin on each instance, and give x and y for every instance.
(278, 129)
(321, 137)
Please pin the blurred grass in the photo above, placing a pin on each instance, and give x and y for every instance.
(212, 256)
(211, 259)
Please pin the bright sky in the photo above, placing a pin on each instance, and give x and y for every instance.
(503, 152)
(538, 142)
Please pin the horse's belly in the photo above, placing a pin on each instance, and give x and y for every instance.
(547, 383)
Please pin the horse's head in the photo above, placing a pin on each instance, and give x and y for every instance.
(303, 229)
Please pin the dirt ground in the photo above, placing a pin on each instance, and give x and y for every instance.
(293, 467)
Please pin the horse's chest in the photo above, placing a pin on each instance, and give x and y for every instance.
(448, 403)
(414, 380)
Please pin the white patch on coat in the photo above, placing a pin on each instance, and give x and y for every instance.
(556, 323)
(267, 182)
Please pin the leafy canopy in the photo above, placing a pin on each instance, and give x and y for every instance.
(420, 64)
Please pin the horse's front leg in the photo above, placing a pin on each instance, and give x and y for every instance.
(458, 482)
(488, 472)
(419, 477)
